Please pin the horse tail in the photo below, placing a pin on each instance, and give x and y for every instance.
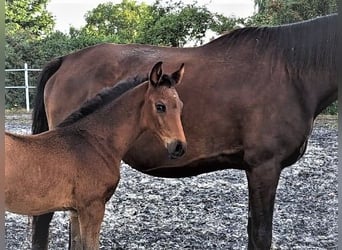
(39, 118)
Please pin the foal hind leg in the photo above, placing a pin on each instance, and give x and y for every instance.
(90, 219)
(74, 232)
(40, 231)
(262, 185)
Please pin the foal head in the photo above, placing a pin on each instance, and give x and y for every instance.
(162, 109)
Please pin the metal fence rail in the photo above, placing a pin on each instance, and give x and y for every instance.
(26, 86)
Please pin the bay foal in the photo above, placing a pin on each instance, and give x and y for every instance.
(76, 166)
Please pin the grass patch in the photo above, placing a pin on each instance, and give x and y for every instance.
(16, 111)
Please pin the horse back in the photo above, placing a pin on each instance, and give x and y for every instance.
(79, 78)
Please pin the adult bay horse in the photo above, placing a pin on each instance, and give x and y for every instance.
(250, 100)
(77, 165)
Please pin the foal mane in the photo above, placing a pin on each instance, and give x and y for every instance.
(102, 98)
(310, 43)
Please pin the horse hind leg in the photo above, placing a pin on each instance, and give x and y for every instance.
(40, 231)
(262, 184)
(90, 219)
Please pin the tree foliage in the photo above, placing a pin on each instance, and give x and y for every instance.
(162, 23)
(124, 21)
(28, 15)
(174, 24)
(274, 12)
(223, 24)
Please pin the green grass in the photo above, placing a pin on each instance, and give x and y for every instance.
(16, 111)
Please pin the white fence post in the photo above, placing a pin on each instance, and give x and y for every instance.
(27, 88)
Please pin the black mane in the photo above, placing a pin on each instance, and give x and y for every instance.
(309, 43)
(104, 97)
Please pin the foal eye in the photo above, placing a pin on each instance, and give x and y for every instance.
(161, 108)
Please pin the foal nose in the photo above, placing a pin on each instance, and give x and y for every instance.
(176, 149)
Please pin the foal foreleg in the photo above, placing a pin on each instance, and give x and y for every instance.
(262, 185)
(90, 219)
(40, 231)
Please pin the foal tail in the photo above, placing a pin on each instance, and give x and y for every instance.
(39, 118)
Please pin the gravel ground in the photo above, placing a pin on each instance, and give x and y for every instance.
(208, 211)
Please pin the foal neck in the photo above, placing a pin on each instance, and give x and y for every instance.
(113, 128)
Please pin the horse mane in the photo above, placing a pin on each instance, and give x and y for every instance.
(310, 43)
(102, 98)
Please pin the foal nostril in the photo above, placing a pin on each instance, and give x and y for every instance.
(179, 148)
(176, 149)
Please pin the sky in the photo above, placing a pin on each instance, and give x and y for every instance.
(69, 13)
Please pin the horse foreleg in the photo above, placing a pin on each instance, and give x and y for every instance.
(90, 219)
(262, 184)
(74, 232)
(40, 231)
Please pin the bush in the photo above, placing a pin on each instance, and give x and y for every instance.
(332, 109)
(23, 48)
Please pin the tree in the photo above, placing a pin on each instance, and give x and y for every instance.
(174, 24)
(123, 21)
(28, 15)
(168, 23)
(222, 24)
(273, 12)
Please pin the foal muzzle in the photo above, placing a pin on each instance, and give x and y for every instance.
(176, 149)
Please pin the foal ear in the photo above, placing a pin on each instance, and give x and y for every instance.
(178, 75)
(156, 74)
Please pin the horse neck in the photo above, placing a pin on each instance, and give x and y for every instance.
(324, 89)
(116, 126)
(314, 69)
(307, 52)
(313, 64)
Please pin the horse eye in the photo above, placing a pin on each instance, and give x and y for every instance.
(161, 108)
